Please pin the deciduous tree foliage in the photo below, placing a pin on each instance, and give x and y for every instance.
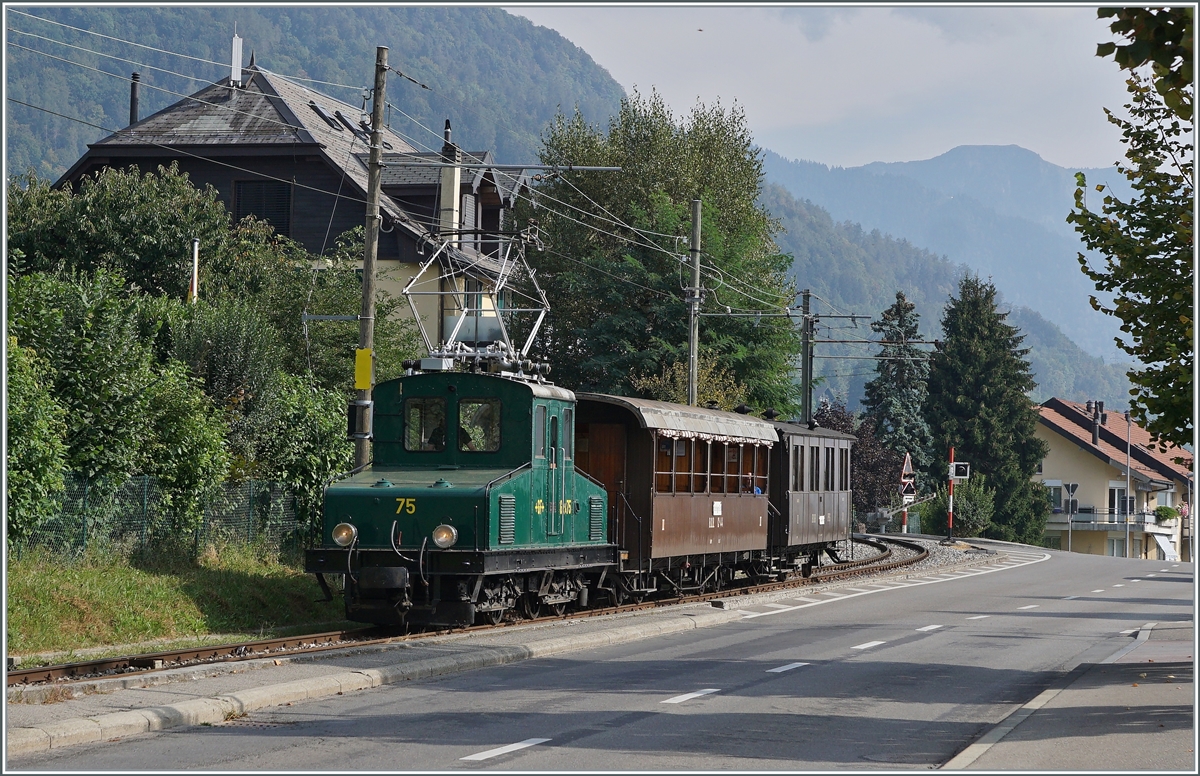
(978, 403)
(1162, 37)
(618, 310)
(1148, 249)
(894, 398)
(187, 393)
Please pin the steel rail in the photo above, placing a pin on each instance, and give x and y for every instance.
(320, 642)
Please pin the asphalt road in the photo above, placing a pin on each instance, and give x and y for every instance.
(883, 677)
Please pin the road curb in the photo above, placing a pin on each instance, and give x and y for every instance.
(113, 726)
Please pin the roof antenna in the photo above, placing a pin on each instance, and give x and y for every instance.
(235, 71)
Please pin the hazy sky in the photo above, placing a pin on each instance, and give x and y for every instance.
(847, 85)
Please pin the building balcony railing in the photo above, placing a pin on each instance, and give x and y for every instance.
(1106, 519)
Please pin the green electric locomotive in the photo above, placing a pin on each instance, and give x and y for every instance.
(471, 507)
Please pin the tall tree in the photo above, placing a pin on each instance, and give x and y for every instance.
(978, 403)
(895, 397)
(615, 260)
(1147, 243)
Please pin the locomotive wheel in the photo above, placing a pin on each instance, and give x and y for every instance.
(531, 607)
(494, 617)
(558, 609)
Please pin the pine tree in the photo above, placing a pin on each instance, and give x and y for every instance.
(978, 403)
(895, 397)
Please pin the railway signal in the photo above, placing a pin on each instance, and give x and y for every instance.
(908, 489)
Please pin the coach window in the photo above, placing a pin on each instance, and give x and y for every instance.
(700, 467)
(797, 468)
(844, 469)
(425, 425)
(539, 431)
(814, 468)
(664, 461)
(479, 425)
(747, 468)
(828, 468)
(683, 466)
(717, 467)
(761, 458)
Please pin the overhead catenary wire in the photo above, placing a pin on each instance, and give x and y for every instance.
(709, 270)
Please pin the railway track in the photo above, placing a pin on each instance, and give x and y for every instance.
(321, 642)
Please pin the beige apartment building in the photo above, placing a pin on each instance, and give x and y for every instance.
(1105, 493)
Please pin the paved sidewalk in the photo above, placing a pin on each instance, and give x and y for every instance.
(1134, 713)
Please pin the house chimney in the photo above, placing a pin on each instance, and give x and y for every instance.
(451, 186)
(133, 98)
(235, 71)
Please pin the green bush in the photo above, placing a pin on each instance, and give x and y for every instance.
(36, 452)
(1165, 513)
(974, 506)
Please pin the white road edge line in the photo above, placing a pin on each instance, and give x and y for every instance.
(690, 695)
(1142, 637)
(972, 753)
(505, 749)
(788, 667)
(910, 583)
(929, 628)
(868, 645)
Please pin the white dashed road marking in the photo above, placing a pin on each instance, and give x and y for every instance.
(929, 628)
(1152, 575)
(506, 749)
(788, 667)
(1135, 580)
(1118, 586)
(1101, 590)
(868, 645)
(1020, 559)
(690, 695)
(979, 617)
(1070, 598)
(1127, 632)
(1030, 606)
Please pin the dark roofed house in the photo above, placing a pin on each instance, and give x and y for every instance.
(297, 159)
(1101, 506)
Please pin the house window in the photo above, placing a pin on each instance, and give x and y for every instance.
(270, 201)
(1055, 497)
(1039, 468)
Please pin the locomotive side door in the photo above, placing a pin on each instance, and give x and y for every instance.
(554, 478)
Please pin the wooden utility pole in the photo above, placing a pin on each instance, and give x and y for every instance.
(364, 357)
(694, 308)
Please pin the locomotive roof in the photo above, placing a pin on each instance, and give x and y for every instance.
(803, 430)
(684, 421)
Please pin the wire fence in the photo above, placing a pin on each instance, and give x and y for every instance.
(134, 517)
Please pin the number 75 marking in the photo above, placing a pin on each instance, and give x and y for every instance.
(408, 505)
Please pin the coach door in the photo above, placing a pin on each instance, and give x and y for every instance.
(605, 455)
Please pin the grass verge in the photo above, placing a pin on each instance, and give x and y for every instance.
(99, 600)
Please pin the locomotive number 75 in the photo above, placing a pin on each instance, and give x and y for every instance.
(408, 505)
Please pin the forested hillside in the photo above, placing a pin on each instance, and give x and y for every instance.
(854, 270)
(991, 208)
(497, 77)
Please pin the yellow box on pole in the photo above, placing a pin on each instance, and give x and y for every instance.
(364, 369)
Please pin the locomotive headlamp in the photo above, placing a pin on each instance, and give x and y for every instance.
(344, 534)
(445, 536)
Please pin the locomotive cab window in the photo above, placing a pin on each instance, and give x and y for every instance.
(425, 425)
(479, 425)
(539, 431)
(568, 434)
